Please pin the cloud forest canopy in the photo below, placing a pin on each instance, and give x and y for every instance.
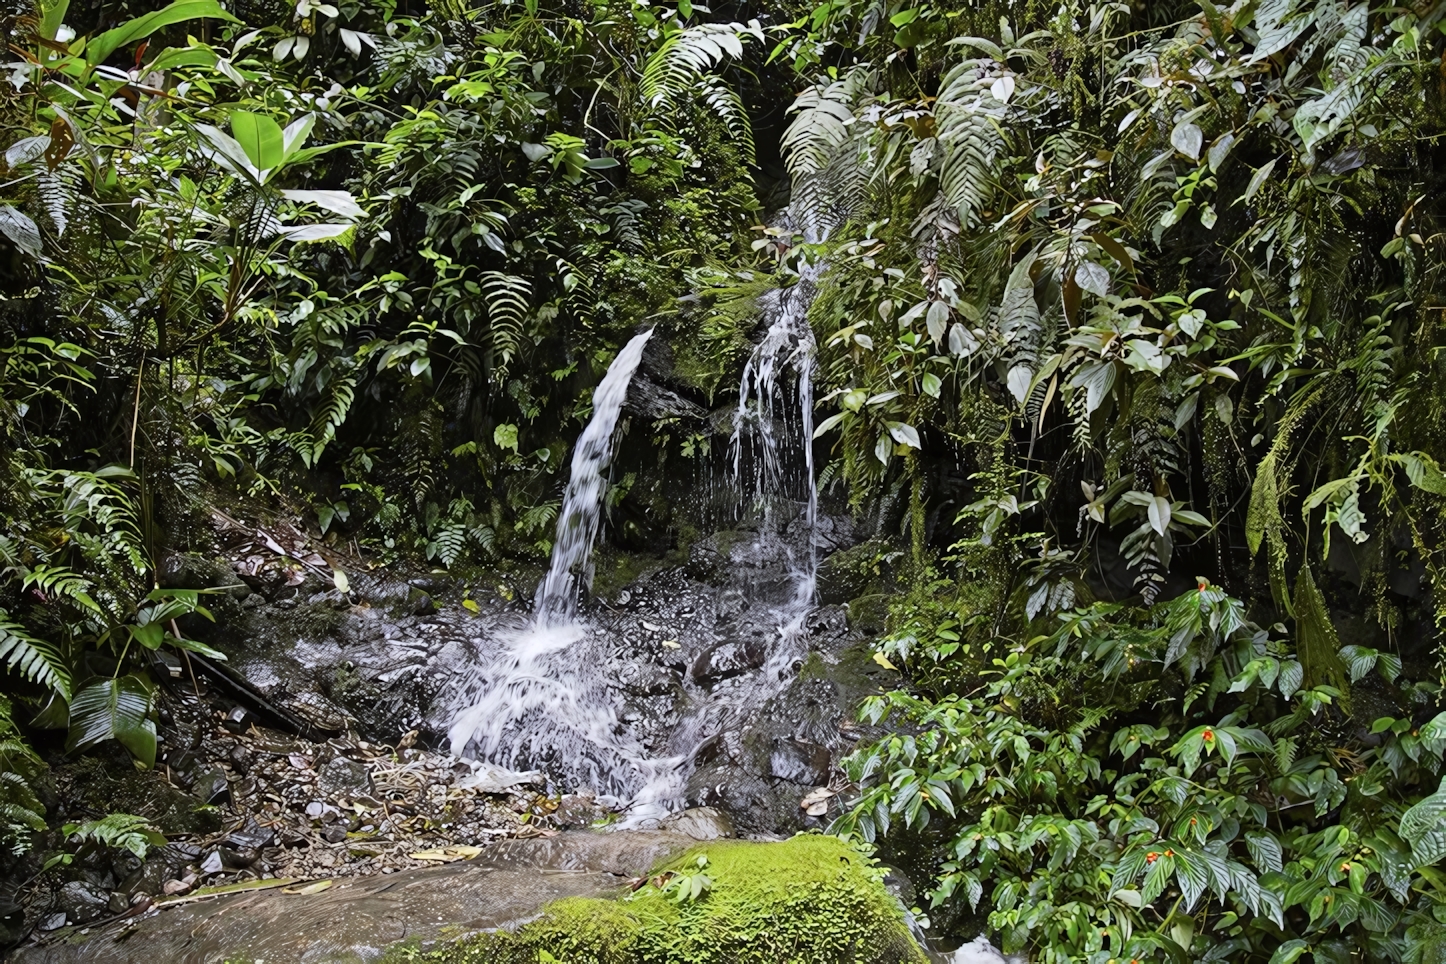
(1128, 323)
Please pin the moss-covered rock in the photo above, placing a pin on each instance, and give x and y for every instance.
(806, 900)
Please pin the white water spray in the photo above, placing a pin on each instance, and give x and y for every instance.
(539, 698)
(763, 407)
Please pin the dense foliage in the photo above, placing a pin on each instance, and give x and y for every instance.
(343, 254)
(1161, 284)
(1130, 309)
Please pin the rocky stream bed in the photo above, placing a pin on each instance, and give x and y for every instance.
(312, 770)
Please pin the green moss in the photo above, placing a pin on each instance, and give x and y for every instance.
(805, 900)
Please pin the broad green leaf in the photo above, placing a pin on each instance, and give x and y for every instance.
(337, 202)
(1187, 139)
(114, 709)
(260, 138)
(98, 49)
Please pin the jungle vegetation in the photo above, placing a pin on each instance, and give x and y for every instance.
(1133, 309)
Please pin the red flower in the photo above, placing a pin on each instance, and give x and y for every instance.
(1151, 857)
(1208, 735)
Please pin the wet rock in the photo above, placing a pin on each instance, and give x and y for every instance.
(211, 786)
(335, 833)
(700, 823)
(213, 864)
(799, 761)
(83, 902)
(343, 777)
(251, 836)
(647, 679)
(726, 660)
(577, 811)
(12, 922)
(119, 903)
(167, 863)
(175, 887)
(53, 922)
(421, 604)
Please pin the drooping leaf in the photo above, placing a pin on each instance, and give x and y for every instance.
(114, 709)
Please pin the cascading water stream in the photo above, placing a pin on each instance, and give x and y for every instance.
(577, 524)
(762, 406)
(539, 697)
(544, 700)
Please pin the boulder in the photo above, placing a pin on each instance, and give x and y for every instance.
(83, 902)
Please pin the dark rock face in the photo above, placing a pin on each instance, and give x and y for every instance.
(83, 902)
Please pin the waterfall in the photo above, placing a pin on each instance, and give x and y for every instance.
(545, 698)
(781, 467)
(540, 697)
(577, 524)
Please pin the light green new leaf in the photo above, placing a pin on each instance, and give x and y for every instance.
(260, 137)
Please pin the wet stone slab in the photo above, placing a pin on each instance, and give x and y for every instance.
(356, 920)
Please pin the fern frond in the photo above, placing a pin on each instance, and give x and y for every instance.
(682, 66)
(509, 298)
(37, 660)
(329, 417)
(970, 128)
(820, 127)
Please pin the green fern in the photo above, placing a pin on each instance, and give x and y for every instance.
(970, 123)
(20, 809)
(682, 65)
(121, 831)
(821, 125)
(329, 417)
(508, 300)
(36, 660)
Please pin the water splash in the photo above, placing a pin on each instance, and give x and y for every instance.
(577, 524)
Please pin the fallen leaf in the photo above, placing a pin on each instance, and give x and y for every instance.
(446, 855)
(343, 585)
(815, 802)
(312, 888)
(883, 661)
(672, 644)
(470, 605)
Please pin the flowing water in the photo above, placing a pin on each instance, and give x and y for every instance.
(577, 525)
(543, 700)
